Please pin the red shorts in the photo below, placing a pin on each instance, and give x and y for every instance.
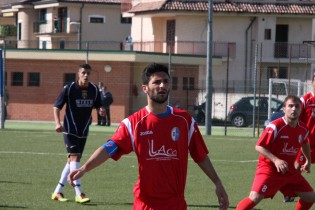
(268, 184)
(160, 204)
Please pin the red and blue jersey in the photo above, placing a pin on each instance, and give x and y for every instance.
(283, 141)
(307, 116)
(80, 103)
(162, 145)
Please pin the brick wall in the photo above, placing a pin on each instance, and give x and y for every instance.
(35, 103)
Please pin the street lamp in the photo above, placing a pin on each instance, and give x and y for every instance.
(79, 32)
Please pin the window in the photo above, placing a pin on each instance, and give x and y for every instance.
(34, 79)
(20, 31)
(125, 20)
(275, 72)
(44, 45)
(188, 83)
(268, 34)
(68, 78)
(191, 83)
(17, 79)
(185, 83)
(174, 83)
(42, 15)
(62, 44)
(170, 34)
(275, 104)
(97, 19)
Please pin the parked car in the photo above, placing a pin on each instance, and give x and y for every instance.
(275, 115)
(241, 112)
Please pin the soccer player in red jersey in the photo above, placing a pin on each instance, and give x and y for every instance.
(278, 146)
(308, 117)
(162, 137)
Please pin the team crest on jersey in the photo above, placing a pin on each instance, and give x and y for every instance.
(300, 139)
(175, 134)
(84, 94)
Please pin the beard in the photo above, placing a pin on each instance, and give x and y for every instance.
(159, 99)
(293, 118)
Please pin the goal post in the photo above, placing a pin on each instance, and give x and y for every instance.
(280, 88)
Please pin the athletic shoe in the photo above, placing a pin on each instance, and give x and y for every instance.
(82, 198)
(58, 197)
(288, 199)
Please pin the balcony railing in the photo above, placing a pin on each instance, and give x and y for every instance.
(270, 51)
(288, 50)
(269, 1)
(55, 26)
(219, 49)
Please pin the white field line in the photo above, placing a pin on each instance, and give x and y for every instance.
(126, 156)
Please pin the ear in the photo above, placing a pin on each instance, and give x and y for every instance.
(144, 89)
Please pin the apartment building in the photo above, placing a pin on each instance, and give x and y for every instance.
(251, 39)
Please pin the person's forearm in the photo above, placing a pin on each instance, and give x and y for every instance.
(97, 158)
(57, 115)
(306, 151)
(209, 170)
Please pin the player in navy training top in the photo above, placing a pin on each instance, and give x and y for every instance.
(80, 98)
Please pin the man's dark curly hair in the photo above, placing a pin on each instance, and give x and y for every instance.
(85, 66)
(151, 69)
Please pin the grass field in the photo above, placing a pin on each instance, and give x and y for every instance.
(32, 156)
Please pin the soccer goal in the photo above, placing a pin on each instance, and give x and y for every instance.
(280, 88)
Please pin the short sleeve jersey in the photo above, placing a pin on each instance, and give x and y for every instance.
(307, 116)
(80, 103)
(162, 145)
(283, 141)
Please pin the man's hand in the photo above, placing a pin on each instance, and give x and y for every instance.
(222, 197)
(102, 112)
(306, 167)
(59, 128)
(74, 175)
(282, 166)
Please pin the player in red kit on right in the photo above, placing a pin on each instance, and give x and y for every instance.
(307, 116)
(278, 146)
(162, 138)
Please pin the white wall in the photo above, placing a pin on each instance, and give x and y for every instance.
(111, 30)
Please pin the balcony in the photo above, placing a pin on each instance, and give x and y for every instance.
(287, 50)
(270, 52)
(46, 27)
(219, 49)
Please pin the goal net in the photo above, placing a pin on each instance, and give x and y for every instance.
(280, 88)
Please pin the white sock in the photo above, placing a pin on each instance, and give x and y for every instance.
(77, 183)
(63, 179)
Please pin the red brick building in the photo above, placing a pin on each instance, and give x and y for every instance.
(34, 78)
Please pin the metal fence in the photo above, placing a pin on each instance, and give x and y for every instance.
(220, 49)
(192, 98)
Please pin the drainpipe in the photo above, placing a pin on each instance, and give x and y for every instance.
(246, 46)
(80, 26)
